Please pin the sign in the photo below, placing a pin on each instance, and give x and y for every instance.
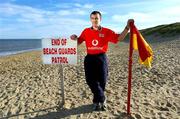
(59, 51)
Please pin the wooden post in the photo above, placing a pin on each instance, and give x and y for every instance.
(62, 84)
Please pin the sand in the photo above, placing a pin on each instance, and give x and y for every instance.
(30, 89)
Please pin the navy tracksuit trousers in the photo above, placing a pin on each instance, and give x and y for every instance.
(96, 72)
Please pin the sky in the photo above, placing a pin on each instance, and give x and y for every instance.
(62, 18)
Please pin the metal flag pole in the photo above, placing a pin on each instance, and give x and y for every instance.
(130, 70)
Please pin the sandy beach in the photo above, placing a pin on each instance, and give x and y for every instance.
(30, 89)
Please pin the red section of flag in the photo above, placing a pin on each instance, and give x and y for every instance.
(143, 49)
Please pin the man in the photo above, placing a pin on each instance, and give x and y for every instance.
(95, 64)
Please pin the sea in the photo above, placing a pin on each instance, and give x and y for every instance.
(15, 46)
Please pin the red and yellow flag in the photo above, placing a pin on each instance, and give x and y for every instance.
(139, 43)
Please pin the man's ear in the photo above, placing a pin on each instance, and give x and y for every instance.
(100, 18)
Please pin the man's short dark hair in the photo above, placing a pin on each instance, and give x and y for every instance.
(95, 12)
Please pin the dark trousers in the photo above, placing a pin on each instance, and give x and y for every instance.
(96, 72)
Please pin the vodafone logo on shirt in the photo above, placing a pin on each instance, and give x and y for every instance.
(95, 42)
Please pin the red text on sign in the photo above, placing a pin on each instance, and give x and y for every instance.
(60, 60)
(56, 42)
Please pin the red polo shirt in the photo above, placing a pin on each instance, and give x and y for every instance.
(97, 40)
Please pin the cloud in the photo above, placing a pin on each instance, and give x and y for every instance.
(77, 5)
(29, 14)
(12, 9)
(74, 5)
(27, 22)
(139, 4)
(79, 12)
(75, 12)
(64, 12)
(89, 6)
(151, 18)
(86, 6)
(63, 6)
(22, 13)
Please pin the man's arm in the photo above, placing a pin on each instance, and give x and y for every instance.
(123, 34)
(125, 31)
(79, 39)
(79, 44)
(75, 37)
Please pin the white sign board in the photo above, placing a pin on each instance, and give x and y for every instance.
(59, 51)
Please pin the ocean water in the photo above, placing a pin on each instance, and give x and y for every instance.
(14, 46)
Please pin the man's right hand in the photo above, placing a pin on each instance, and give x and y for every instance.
(73, 37)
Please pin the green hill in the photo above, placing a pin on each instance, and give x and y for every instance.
(161, 33)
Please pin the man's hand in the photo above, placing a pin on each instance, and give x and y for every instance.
(73, 37)
(128, 22)
(126, 29)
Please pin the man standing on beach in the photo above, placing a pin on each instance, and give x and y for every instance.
(95, 64)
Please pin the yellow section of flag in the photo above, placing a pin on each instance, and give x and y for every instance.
(139, 43)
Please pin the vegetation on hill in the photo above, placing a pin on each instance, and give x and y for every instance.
(160, 33)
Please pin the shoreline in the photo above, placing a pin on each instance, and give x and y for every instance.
(9, 53)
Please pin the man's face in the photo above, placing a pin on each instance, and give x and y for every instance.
(95, 19)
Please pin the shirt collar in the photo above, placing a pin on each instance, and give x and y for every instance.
(99, 28)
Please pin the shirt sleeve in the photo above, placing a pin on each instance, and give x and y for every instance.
(81, 38)
(112, 36)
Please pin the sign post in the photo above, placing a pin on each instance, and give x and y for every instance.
(59, 51)
(62, 84)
